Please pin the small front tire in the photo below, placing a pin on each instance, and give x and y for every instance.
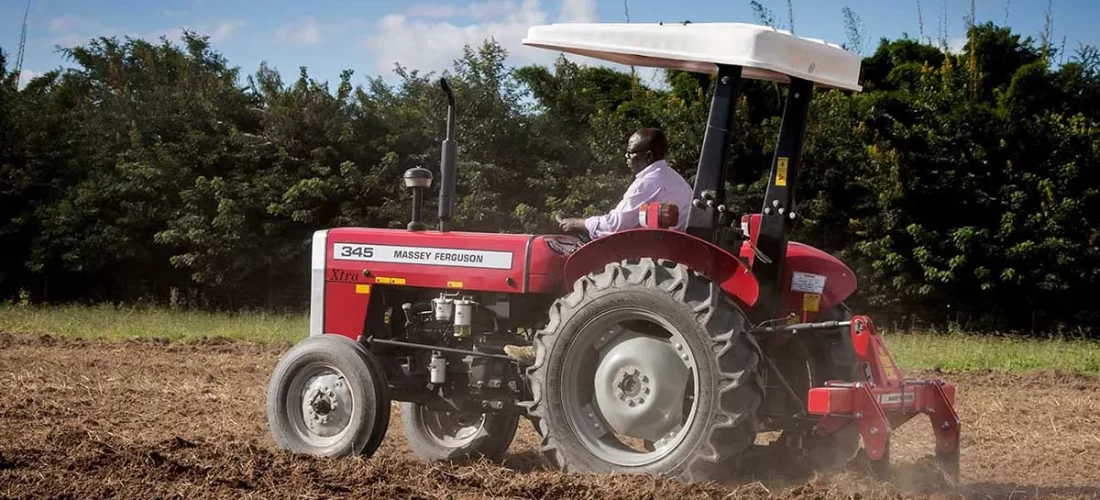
(328, 397)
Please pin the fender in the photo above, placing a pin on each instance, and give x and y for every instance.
(840, 281)
(698, 254)
(837, 281)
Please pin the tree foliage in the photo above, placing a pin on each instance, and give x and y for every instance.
(958, 187)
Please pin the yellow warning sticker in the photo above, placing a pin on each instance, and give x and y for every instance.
(887, 365)
(811, 302)
(382, 280)
(363, 289)
(781, 171)
(454, 284)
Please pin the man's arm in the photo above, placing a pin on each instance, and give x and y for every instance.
(624, 216)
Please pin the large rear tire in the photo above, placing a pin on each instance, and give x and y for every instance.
(328, 397)
(438, 436)
(653, 352)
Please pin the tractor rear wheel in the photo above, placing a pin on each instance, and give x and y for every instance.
(328, 397)
(439, 436)
(646, 367)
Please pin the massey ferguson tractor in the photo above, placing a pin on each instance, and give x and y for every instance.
(655, 350)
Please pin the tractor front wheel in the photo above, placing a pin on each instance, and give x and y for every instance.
(646, 367)
(439, 436)
(328, 397)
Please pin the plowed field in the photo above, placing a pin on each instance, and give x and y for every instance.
(156, 419)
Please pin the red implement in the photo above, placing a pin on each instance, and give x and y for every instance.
(883, 400)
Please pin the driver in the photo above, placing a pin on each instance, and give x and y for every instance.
(654, 181)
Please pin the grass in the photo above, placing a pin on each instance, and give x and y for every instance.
(958, 351)
(108, 322)
(912, 351)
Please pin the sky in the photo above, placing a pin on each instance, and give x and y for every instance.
(369, 36)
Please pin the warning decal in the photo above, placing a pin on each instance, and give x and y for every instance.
(451, 257)
(807, 283)
(811, 302)
(781, 171)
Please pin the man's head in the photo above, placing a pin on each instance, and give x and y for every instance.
(646, 146)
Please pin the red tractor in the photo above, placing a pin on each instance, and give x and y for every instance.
(655, 350)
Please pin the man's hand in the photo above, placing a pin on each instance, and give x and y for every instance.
(572, 225)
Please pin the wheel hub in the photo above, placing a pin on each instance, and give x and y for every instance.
(326, 405)
(630, 384)
(640, 386)
(452, 429)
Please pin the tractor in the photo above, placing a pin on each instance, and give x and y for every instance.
(655, 350)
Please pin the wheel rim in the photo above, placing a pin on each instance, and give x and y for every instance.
(450, 429)
(320, 404)
(619, 382)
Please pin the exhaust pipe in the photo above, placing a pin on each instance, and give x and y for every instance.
(447, 164)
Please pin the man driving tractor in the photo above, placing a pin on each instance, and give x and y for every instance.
(654, 181)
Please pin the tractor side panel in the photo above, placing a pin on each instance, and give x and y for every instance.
(356, 259)
(701, 256)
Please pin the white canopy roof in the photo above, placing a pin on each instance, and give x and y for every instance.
(764, 53)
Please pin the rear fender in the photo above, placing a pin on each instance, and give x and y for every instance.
(697, 254)
(813, 280)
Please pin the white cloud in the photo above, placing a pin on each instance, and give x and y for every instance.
(492, 8)
(955, 45)
(578, 11)
(479, 10)
(432, 45)
(304, 31)
(432, 10)
(221, 30)
(69, 31)
(25, 77)
(217, 31)
(64, 23)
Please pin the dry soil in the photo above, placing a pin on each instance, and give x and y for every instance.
(156, 419)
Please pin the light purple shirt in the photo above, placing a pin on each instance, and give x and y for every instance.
(656, 183)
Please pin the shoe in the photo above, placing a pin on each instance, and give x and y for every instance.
(522, 354)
